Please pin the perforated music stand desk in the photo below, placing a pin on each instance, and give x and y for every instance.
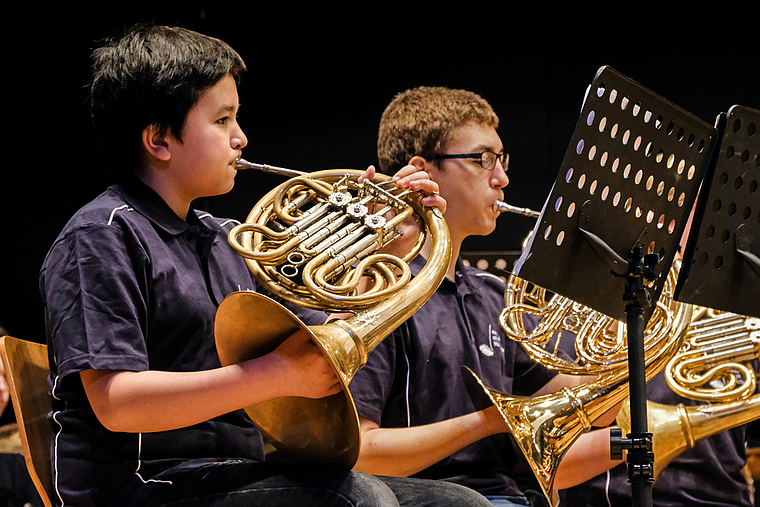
(721, 269)
(629, 179)
(631, 174)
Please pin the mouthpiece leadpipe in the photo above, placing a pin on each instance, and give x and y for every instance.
(241, 164)
(290, 173)
(501, 206)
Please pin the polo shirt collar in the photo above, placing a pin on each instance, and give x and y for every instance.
(148, 203)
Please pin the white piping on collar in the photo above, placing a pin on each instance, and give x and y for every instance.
(113, 212)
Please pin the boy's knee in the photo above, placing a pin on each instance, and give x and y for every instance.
(369, 491)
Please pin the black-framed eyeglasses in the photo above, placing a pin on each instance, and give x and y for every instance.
(487, 159)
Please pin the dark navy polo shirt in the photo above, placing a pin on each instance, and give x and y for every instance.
(128, 285)
(413, 377)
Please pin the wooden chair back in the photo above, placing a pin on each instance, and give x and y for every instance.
(26, 371)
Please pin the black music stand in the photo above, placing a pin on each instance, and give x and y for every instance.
(721, 263)
(611, 227)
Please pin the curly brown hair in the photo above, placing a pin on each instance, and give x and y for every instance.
(422, 121)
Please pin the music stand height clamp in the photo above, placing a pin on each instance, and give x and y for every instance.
(642, 272)
(640, 468)
(638, 272)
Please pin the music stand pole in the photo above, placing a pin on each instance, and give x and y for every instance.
(640, 456)
(638, 270)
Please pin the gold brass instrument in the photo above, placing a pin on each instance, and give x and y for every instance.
(308, 258)
(546, 426)
(313, 240)
(713, 366)
(715, 363)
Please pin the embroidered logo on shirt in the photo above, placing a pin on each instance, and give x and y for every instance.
(494, 341)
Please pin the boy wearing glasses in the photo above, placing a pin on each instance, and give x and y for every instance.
(416, 414)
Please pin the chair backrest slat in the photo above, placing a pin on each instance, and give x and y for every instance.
(26, 370)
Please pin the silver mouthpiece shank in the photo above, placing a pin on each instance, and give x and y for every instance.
(289, 173)
(502, 206)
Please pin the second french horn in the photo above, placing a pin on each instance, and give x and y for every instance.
(545, 427)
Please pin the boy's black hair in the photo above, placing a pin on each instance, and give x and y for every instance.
(153, 75)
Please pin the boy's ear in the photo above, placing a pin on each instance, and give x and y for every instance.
(154, 143)
(419, 163)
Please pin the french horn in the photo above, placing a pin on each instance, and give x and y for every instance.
(315, 241)
(544, 427)
(715, 366)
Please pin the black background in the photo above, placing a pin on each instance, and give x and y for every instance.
(319, 78)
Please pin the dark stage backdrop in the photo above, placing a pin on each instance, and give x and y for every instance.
(318, 80)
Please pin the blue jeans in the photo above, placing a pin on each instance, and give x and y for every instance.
(243, 483)
(431, 493)
(507, 501)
